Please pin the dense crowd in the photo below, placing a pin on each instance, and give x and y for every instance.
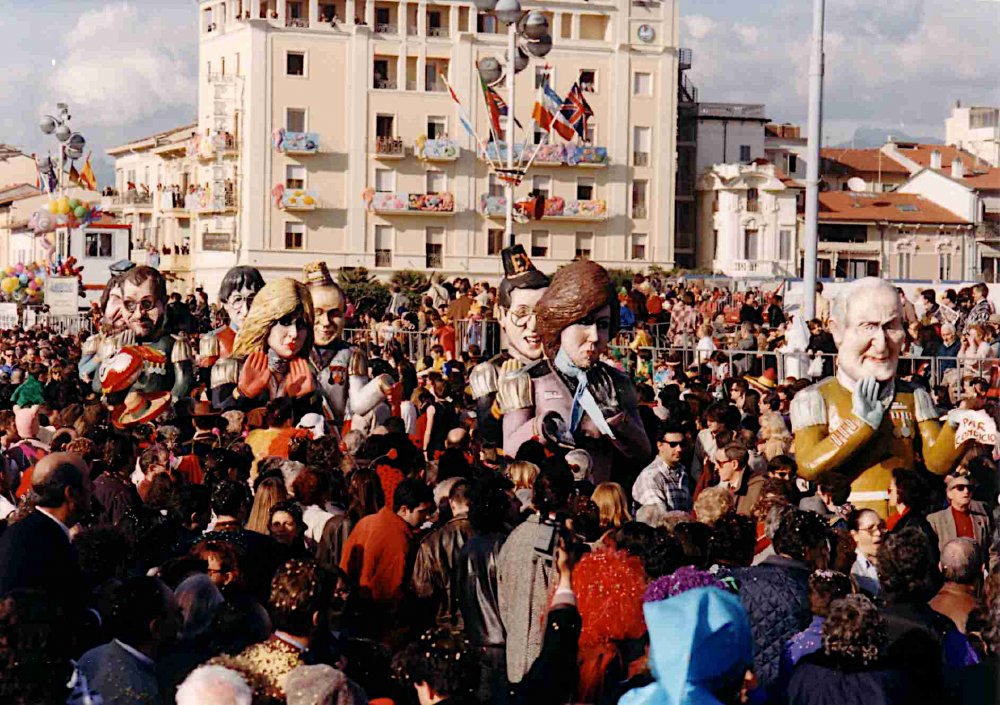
(177, 549)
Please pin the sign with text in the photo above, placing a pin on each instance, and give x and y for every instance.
(61, 295)
(217, 242)
(976, 426)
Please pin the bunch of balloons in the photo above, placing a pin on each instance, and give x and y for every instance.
(63, 212)
(23, 282)
(65, 268)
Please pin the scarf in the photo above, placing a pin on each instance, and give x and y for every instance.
(583, 400)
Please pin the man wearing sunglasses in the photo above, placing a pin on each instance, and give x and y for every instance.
(665, 480)
(963, 518)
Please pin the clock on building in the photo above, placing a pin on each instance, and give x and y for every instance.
(646, 32)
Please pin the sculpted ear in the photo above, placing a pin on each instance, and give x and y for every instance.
(837, 330)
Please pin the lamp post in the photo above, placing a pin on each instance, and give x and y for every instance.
(71, 144)
(527, 33)
(811, 244)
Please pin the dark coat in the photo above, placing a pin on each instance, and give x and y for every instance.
(915, 638)
(776, 597)
(817, 680)
(475, 589)
(433, 568)
(35, 554)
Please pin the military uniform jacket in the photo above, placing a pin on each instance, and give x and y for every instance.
(342, 373)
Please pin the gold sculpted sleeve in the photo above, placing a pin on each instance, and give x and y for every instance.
(940, 453)
(817, 449)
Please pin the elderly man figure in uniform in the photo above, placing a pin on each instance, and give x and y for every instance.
(571, 398)
(342, 369)
(863, 422)
(236, 294)
(519, 291)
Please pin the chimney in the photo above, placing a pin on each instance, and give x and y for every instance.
(957, 168)
(936, 159)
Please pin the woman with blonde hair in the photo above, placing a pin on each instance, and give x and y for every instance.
(270, 492)
(774, 436)
(712, 503)
(273, 344)
(612, 505)
(523, 473)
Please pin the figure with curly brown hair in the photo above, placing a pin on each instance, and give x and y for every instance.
(570, 398)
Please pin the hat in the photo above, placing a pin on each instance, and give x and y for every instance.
(26, 421)
(139, 408)
(314, 423)
(205, 413)
(767, 382)
(518, 270)
(121, 266)
(958, 477)
(317, 274)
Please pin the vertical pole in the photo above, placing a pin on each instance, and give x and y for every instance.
(812, 174)
(508, 187)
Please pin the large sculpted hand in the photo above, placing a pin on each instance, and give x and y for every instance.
(602, 387)
(865, 403)
(513, 387)
(299, 381)
(255, 375)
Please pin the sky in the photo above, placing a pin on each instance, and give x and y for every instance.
(128, 67)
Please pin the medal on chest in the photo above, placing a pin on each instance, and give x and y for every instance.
(902, 421)
(337, 374)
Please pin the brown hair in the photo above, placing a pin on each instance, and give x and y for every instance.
(577, 290)
(140, 275)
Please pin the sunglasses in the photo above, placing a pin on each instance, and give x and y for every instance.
(673, 444)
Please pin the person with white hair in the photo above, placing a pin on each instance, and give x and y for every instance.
(863, 422)
(214, 685)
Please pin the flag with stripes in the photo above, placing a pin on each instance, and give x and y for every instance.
(548, 112)
(576, 110)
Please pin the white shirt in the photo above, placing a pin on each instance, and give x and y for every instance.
(408, 412)
(65, 529)
(865, 574)
(315, 519)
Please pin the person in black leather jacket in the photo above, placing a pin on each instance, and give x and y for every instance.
(433, 568)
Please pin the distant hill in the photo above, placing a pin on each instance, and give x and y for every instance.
(872, 137)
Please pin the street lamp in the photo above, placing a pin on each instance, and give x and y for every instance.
(527, 34)
(71, 144)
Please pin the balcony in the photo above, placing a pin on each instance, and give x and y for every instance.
(639, 212)
(388, 203)
(580, 155)
(493, 206)
(556, 208)
(443, 149)
(684, 58)
(386, 84)
(389, 148)
(202, 201)
(299, 143)
(386, 29)
(210, 146)
(296, 199)
(131, 199)
(441, 32)
(300, 22)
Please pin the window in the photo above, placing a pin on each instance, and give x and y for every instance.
(784, 245)
(541, 185)
(588, 80)
(295, 63)
(753, 200)
(382, 15)
(380, 67)
(585, 188)
(495, 187)
(990, 269)
(539, 243)
(590, 132)
(383, 125)
(903, 260)
(639, 198)
(792, 164)
(944, 266)
(750, 243)
(294, 235)
(437, 127)
(98, 245)
(383, 246)
(295, 176)
(642, 83)
(849, 268)
(434, 258)
(295, 119)
(385, 180)
(584, 245)
(294, 10)
(494, 241)
(437, 182)
(843, 233)
(641, 144)
(639, 246)
(744, 153)
(486, 24)
(223, 66)
(434, 22)
(538, 135)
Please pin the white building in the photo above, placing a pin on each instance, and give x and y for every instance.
(729, 133)
(786, 148)
(748, 221)
(976, 130)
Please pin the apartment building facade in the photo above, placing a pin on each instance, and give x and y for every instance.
(347, 147)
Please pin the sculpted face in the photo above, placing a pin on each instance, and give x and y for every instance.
(328, 303)
(114, 312)
(518, 325)
(585, 341)
(288, 335)
(143, 310)
(238, 306)
(870, 339)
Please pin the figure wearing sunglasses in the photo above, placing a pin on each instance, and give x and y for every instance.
(665, 480)
(964, 518)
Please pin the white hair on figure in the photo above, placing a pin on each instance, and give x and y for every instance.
(855, 293)
(216, 685)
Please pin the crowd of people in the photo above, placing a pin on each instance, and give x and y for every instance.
(189, 549)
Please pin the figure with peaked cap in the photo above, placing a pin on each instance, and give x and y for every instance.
(863, 423)
(113, 333)
(570, 398)
(517, 295)
(342, 369)
(236, 294)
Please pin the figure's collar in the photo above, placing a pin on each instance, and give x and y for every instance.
(887, 390)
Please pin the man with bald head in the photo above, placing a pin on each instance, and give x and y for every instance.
(863, 423)
(36, 552)
(962, 570)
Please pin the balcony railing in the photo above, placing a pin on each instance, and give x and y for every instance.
(638, 212)
(437, 31)
(684, 58)
(442, 149)
(386, 29)
(583, 155)
(297, 22)
(750, 267)
(383, 258)
(389, 148)
(435, 87)
(411, 29)
(426, 203)
(298, 200)
(411, 85)
(640, 158)
(202, 201)
(132, 198)
(295, 142)
(555, 207)
(385, 84)
(685, 186)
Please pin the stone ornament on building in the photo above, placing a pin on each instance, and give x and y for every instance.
(863, 423)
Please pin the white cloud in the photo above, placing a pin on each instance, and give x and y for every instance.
(747, 33)
(698, 26)
(122, 65)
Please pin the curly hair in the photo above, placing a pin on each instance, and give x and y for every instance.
(298, 592)
(825, 586)
(442, 659)
(904, 562)
(854, 633)
(772, 492)
(276, 300)
(713, 503)
(733, 540)
(799, 532)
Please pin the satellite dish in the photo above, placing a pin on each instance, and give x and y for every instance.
(856, 184)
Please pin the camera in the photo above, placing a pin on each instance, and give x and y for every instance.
(550, 531)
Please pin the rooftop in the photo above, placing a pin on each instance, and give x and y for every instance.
(177, 134)
(869, 161)
(732, 111)
(894, 207)
(17, 192)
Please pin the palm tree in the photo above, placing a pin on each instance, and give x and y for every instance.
(410, 281)
(352, 276)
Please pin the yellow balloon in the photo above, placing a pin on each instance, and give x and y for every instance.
(52, 207)
(62, 206)
(309, 200)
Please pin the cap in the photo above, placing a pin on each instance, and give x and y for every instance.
(959, 477)
(519, 270)
(317, 274)
(313, 422)
(121, 266)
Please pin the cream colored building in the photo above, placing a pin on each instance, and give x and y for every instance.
(343, 144)
(976, 130)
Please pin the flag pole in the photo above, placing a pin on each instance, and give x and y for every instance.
(811, 244)
(508, 184)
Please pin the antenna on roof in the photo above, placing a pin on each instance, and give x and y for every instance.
(856, 184)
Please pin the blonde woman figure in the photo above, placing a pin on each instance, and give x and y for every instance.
(612, 505)
(273, 346)
(774, 436)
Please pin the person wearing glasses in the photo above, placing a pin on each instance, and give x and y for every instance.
(867, 530)
(963, 518)
(665, 481)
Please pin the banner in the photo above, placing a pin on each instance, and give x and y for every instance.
(61, 295)
(976, 426)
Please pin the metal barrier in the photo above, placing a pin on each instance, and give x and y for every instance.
(72, 324)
